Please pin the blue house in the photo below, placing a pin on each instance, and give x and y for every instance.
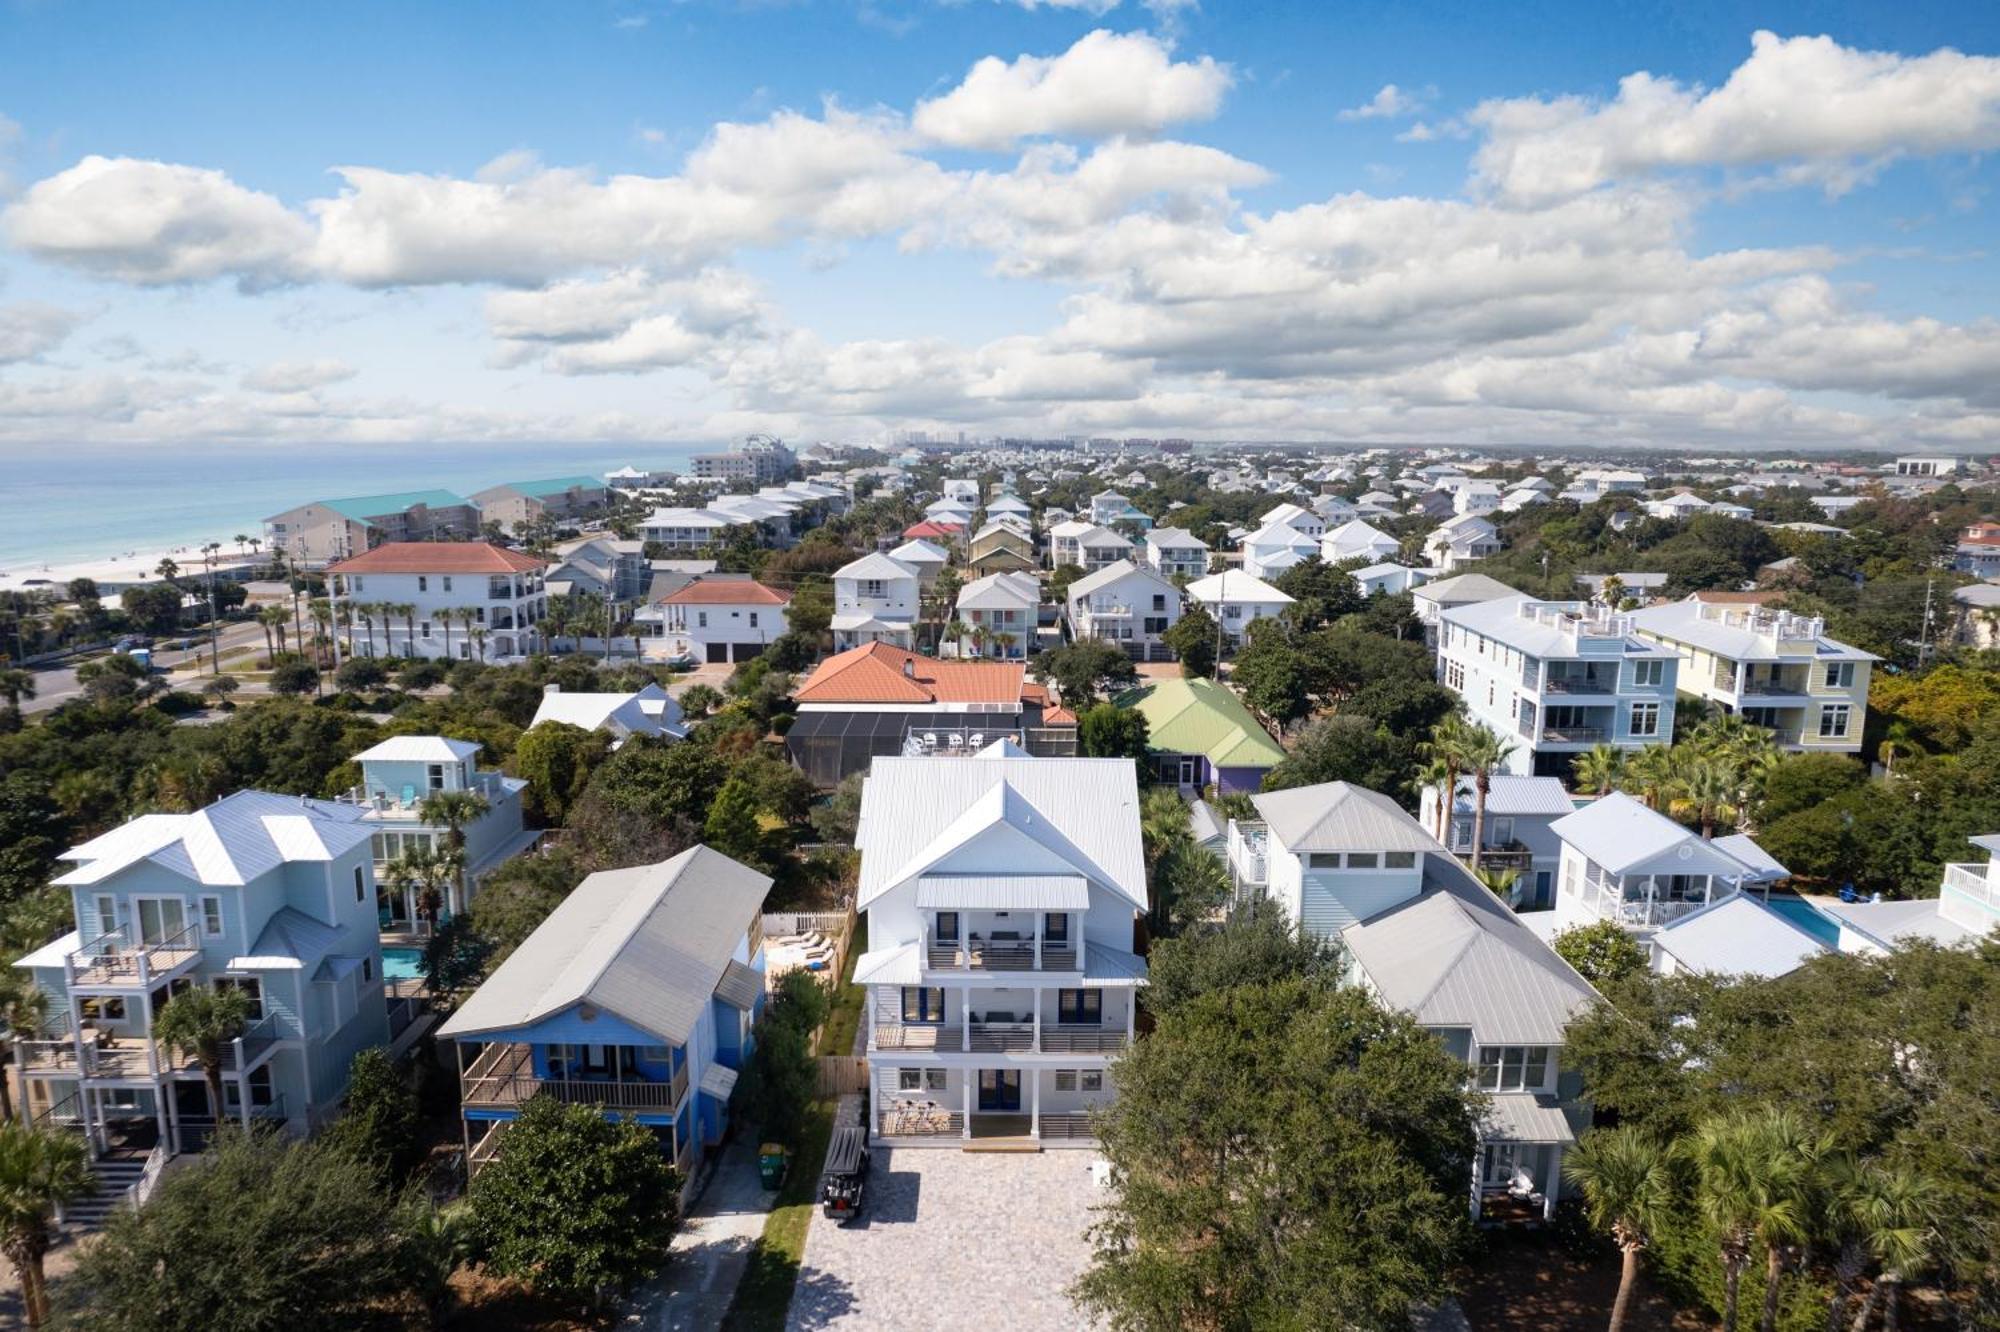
(637, 995)
(272, 895)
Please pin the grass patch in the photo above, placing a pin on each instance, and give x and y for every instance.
(764, 1295)
(836, 1037)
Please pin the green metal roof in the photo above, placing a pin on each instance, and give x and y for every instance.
(556, 485)
(1202, 717)
(363, 507)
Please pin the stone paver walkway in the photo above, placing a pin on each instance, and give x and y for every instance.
(951, 1239)
(711, 1249)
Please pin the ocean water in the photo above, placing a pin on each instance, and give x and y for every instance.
(91, 502)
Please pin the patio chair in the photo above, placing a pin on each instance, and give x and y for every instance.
(977, 740)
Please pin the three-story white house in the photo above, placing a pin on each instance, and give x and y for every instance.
(1001, 893)
(446, 600)
(1423, 936)
(272, 895)
(1557, 677)
(875, 599)
(1773, 668)
(999, 613)
(1125, 604)
(1176, 553)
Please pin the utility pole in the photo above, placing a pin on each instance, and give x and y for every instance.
(214, 647)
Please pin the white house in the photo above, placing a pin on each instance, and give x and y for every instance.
(1423, 936)
(1001, 893)
(1433, 599)
(875, 599)
(682, 528)
(1517, 834)
(1309, 522)
(1235, 599)
(927, 559)
(1356, 539)
(647, 711)
(1175, 552)
(1276, 547)
(1126, 604)
(1101, 546)
(1966, 908)
(1000, 613)
(448, 600)
(1459, 541)
(723, 619)
(1625, 863)
(1390, 579)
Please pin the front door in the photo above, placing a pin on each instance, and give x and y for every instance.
(160, 918)
(999, 1089)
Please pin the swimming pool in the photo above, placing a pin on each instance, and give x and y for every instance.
(402, 964)
(1803, 914)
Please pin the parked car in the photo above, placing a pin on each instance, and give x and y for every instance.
(685, 661)
(845, 1176)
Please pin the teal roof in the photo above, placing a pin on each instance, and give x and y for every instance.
(363, 507)
(556, 485)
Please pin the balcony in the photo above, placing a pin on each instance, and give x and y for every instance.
(996, 954)
(503, 1078)
(1970, 881)
(1572, 735)
(956, 741)
(1580, 684)
(407, 802)
(1513, 855)
(998, 1038)
(1248, 852)
(112, 961)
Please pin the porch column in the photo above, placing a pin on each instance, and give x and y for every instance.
(964, 1018)
(1038, 942)
(1037, 1046)
(243, 1094)
(1549, 1190)
(971, 1077)
(1478, 1165)
(1131, 1015)
(1035, 1103)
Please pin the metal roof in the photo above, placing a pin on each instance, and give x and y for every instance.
(1738, 936)
(1514, 796)
(363, 507)
(1105, 965)
(1623, 836)
(1525, 1117)
(875, 565)
(1234, 587)
(741, 986)
(1115, 572)
(1340, 816)
(1683, 622)
(1202, 716)
(1002, 892)
(418, 749)
(1763, 866)
(1502, 621)
(1001, 591)
(1465, 590)
(1080, 813)
(230, 843)
(1891, 923)
(889, 966)
(290, 938)
(645, 711)
(648, 945)
(1456, 956)
(718, 1080)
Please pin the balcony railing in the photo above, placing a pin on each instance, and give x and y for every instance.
(1511, 856)
(1580, 684)
(1971, 881)
(1572, 735)
(919, 1036)
(1063, 1039)
(999, 1038)
(503, 1077)
(981, 954)
(113, 960)
(955, 741)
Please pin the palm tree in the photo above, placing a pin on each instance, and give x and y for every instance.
(24, 1008)
(427, 872)
(408, 611)
(40, 1170)
(444, 622)
(1758, 1172)
(242, 542)
(1447, 746)
(454, 810)
(1483, 750)
(1627, 1180)
(267, 618)
(955, 630)
(167, 569)
(1650, 772)
(1724, 1152)
(1890, 1212)
(467, 617)
(1433, 776)
(1598, 769)
(1707, 784)
(479, 639)
(16, 684)
(199, 1022)
(1499, 882)
(1898, 743)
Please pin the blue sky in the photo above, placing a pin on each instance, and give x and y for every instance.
(1132, 219)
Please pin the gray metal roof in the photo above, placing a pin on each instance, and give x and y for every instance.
(418, 749)
(1340, 816)
(1517, 796)
(1891, 923)
(718, 1080)
(740, 986)
(1683, 622)
(1525, 1117)
(1464, 590)
(1456, 956)
(889, 966)
(291, 935)
(1738, 936)
(647, 944)
(1114, 572)
(1105, 965)
(1623, 836)
(229, 843)
(1002, 892)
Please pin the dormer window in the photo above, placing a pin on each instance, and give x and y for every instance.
(1513, 1067)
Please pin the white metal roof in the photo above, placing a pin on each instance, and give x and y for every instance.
(1001, 591)
(1340, 816)
(646, 711)
(718, 1080)
(1464, 590)
(918, 551)
(231, 842)
(1502, 621)
(1623, 836)
(1513, 796)
(1002, 892)
(1525, 1117)
(1684, 622)
(889, 966)
(875, 565)
(1233, 587)
(1763, 866)
(648, 945)
(1738, 936)
(1081, 813)
(1115, 572)
(1891, 923)
(418, 749)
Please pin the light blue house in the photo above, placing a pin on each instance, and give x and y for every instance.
(637, 995)
(270, 894)
(397, 776)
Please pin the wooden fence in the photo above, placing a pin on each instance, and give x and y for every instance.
(842, 1075)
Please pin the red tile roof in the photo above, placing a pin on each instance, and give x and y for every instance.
(880, 673)
(438, 557)
(1715, 598)
(726, 592)
(928, 528)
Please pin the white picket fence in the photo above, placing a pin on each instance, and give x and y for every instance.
(778, 924)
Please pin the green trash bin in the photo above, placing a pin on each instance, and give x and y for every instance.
(771, 1164)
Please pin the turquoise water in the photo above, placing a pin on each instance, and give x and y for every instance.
(1808, 918)
(402, 964)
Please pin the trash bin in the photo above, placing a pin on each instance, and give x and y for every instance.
(771, 1164)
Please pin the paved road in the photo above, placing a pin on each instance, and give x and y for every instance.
(57, 685)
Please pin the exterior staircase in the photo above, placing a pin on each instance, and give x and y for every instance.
(114, 1177)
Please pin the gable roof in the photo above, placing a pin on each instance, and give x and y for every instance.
(418, 749)
(1456, 956)
(1738, 936)
(1516, 796)
(883, 673)
(875, 565)
(647, 945)
(648, 710)
(726, 592)
(918, 551)
(1464, 590)
(438, 557)
(1115, 572)
(1234, 587)
(932, 528)
(1001, 591)
(1174, 538)
(1340, 816)
(229, 843)
(1621, 834)
(1200, 716)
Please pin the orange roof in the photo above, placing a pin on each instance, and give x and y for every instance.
(928, 528)
(438, 557)
(1715, 598)
(880, 673)
(726, 592)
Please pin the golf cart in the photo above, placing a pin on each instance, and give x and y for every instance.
(845, 1176)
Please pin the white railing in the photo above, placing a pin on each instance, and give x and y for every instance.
(1971, 881)
(149, 1177)
(780, 923)
(1248, 851)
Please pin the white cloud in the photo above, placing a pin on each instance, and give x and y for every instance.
(1107, 83)
(28, 330)
(1391, 103)
(1826, 112)
(297, 376)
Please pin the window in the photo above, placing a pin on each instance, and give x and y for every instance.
(753, 619)
(947, 926)
(356, 584)
(360, 885)
(447, 582)
(1649, 674)
(1065, 1079)
(1092, 1080)
(107, 914)
(1323, 860)
(253, 990)
(423, 583)
(1839, 674)
(923, 1004)
(1399, 860)
(1084, 1007)
(1645, 719)
(434, 776)
(1513, 1067)
(1362, 860)
(909, 1079)
(1055, 929)
(102, 1008)
(1159, 603)
(368, 970)
(211, 917)
(872, 587)
(701, 619)
(934, 1079)
(1833, 721)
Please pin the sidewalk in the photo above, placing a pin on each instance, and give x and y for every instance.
(711, 1250)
